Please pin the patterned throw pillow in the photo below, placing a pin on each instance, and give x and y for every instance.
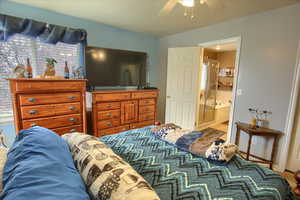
(106, 175)
(163, 130)
(221, 151)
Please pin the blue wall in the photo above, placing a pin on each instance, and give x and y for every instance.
(98, 35)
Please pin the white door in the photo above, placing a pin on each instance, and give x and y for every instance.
(183, 81)
(294, 151)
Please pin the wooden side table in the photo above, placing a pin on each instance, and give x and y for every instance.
(264, 132)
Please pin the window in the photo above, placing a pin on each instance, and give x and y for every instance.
(18, 49)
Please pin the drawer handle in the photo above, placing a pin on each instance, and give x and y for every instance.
(32, 100)
(33, 112)
(109, 105)
(72, 97)
(33, 125)
(72, 119)
(108, 114)
(73, 130)
(109, 124)
(72, 108)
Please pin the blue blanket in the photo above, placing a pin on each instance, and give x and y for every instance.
(176, 174)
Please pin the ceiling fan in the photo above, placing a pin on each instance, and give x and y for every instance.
(188, 4)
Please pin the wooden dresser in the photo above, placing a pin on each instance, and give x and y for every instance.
(55, 104)
(120, 110)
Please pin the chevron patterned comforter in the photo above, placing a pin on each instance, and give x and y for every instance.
(179, 175)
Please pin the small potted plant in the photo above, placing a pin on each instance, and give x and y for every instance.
(50, 67)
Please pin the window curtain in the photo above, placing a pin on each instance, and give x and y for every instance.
(47, 33)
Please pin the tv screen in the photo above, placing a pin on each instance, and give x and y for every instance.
(112, 67)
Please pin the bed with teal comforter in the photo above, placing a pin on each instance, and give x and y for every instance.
(179, 175)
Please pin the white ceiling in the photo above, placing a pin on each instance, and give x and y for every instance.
(143, 15)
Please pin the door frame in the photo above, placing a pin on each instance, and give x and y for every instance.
(291, 115)
(238, 40)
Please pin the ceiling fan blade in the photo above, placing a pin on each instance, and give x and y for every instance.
(168, 7)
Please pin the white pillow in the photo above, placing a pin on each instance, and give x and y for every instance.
(3, 156)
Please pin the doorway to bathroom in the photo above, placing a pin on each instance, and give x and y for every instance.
(218, 87)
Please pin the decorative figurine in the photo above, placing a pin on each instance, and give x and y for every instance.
(78, 73)
(19, 71)
(297, 189)
(2, 140)
(50, 68)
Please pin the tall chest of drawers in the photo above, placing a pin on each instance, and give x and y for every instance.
(120, 110)
(59, 105)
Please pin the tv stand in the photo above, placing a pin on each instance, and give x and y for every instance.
(120, 110)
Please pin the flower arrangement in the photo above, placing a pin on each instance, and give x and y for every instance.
(259, 117)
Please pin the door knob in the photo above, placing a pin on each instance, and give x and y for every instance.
(168, 97)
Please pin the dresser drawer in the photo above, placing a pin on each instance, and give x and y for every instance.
(69, 129)
(34, 86)
(30, 112)
(146, 116)
(141, 124)
(109, 106)
(111, 114)
(146, 109)
(108, 123)
(113, 130)
(113, 97)
(36, 99)
(144, 95)
(146, 102)
(122, 128)
(108, 131)
(54, 122)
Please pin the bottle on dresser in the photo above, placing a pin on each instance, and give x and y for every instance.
(28, 70)
(66, 72)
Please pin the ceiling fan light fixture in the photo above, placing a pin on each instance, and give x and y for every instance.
(202, 1)
(188, 3)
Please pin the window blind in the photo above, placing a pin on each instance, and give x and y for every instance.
(17, 49)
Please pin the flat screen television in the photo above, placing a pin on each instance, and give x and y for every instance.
(115, 68)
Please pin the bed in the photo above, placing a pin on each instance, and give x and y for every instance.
(176, 174)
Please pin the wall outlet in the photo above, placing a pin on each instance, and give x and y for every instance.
(239, 92)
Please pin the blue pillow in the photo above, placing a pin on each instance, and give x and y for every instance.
(40, 166)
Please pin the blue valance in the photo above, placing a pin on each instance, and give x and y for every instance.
(47, 33)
